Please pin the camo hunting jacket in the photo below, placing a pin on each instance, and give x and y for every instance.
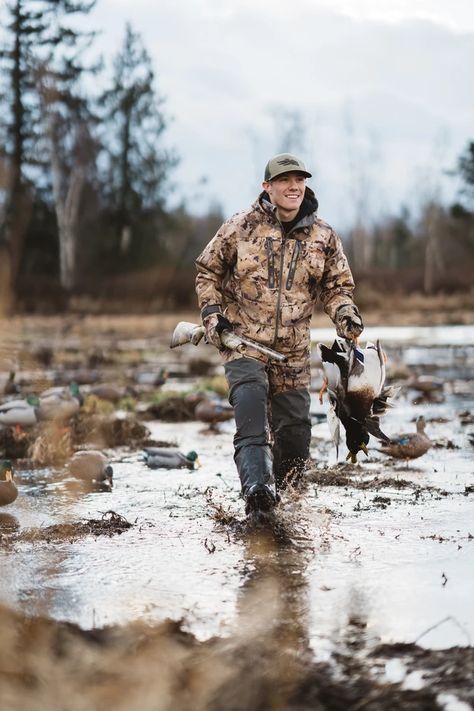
(266, 282)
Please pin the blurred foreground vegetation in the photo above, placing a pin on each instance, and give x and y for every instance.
(85, 176)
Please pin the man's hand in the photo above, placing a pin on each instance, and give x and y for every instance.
(215, 324)
(348, 322)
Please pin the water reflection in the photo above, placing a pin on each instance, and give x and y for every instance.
(273, 606)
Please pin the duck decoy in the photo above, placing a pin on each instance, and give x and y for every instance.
(172, 458)
(10, 387)
(426, 384)
(21, 413)
(151, 378)
(91, 465)
(354, 378)
(213, 411)
(428, 387)
(60, 403)
(8, 490)
(409, 445)
(108, 391)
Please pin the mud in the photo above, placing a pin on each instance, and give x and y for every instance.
(159, 594)
(109, 524)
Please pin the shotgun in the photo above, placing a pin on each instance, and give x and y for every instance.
(186, 332)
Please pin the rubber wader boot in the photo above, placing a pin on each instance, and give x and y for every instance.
(248, 394)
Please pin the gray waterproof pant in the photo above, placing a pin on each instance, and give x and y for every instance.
(273, 431)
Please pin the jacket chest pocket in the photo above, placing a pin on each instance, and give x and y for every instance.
(257, 265)
(314, 263)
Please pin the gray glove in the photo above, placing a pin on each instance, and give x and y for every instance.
(348, 322)
(215, 324)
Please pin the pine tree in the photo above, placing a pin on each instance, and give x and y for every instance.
(137, 165)
(35, 35)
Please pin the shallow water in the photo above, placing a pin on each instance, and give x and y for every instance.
(359, 571)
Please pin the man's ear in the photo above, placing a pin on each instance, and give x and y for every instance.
(265, 185)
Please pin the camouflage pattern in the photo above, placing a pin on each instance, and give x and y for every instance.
(266, 282)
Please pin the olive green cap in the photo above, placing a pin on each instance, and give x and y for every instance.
(284, 163)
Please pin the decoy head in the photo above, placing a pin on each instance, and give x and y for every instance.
(76, 393)
(33, 400)
(193, 457)
(6, 470)
(420, 424)
(108, 475)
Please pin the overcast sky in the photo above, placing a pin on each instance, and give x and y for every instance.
(383, 90)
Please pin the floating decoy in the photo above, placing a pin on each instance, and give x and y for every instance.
(60, 403)
(213, 411)
(409, 445)
(10, 387)
(151, 378)
(21, 413)
(354, 379)
(426, 384)
(91, 465)
(172, 458)
(8, 490)
(107, 391)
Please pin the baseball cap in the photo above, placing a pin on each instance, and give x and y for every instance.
(284, 163)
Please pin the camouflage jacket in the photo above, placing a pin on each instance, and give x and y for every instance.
(266, 282)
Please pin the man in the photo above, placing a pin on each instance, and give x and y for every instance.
(260, 276)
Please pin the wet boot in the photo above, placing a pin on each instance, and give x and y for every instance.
(291, 426)
(248, 395)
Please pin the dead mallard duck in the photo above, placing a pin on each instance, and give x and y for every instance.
(169, 458)
(8, 490)
(354, 380)
(409, 445)
(91, 465)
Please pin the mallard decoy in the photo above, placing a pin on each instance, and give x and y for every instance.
(21, 413)
(428, 387)
(409, 445)
(354, 379)
(107, 391)
(60, 403)
(213, 411)
(91, 465)
(8, 490)
(172, 458)
(10, 387)
(151, 378)
(426, 384)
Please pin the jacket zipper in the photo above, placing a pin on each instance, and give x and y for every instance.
(280, 284)
(271, 263)
(293, 262)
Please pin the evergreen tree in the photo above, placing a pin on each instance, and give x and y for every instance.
(35, 35)
(137, 166)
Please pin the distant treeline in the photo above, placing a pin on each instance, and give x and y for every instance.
(85, 178)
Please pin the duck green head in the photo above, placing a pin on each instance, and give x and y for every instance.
(6, 470)
(75, 392)
(192, 456)
(33, 400)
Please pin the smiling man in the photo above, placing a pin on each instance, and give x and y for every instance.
(260, 277)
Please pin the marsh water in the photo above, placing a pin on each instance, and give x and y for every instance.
(365, 562)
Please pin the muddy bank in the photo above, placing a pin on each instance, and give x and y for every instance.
(46, 664)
